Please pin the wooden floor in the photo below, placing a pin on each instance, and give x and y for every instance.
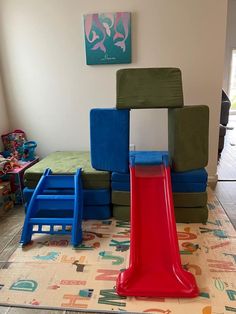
(227, 162)
(225, 189)
(225, 192)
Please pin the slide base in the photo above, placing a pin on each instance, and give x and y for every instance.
(179, 284)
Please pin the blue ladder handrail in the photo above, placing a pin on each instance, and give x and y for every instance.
(78, 207)
(38, 189)
(41, 201)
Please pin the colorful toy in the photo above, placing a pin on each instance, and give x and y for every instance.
(13, 142)
(29, 151)
(8, 164)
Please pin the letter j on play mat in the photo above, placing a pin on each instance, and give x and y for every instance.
(107, 38)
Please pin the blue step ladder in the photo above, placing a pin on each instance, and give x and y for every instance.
(53, 205)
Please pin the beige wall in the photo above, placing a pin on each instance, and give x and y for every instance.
(51, 90)
(230, 42)
(4, 122)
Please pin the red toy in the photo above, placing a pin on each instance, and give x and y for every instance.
(155, 268)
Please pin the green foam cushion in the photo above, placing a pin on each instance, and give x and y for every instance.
(182, 215)
(193, 199)
(121, 212)
(196, 199)
(66, 162)
(188, 129)
(87, 184)
(120, 198)
(149, 88)
(191, 214)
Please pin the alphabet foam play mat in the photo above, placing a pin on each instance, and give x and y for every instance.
(49, 273)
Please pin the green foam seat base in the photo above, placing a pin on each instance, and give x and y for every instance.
(67, 162)
(182, 214)
(180, 199)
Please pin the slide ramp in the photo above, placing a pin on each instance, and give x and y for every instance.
(155, 268)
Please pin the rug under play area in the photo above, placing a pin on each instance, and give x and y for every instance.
(49, 273)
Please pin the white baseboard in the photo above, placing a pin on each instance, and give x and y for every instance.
(131, 147)
(213, 179)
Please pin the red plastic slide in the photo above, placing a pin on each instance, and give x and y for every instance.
(155, 268)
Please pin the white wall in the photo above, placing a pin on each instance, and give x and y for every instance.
(51, 90)
(4, 122)
(230, 42)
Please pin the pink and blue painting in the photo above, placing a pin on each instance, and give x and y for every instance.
(108, 38)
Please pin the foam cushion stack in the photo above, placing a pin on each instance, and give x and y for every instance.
(188, 129)
(96, 184)
(189, 195)
(120, 187)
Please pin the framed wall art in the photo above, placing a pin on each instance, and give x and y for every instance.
(107, 38)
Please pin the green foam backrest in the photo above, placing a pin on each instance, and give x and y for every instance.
(149, 88)
(188, 129)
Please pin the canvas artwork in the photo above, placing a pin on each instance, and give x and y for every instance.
(108, 38)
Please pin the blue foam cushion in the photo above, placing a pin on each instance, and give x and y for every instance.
(97, 212)
(199, 175)
(97, 197)
(189, 181)
(91, 197)
(188, 187)
(120, 186)
(149, 158)
(89, 212)
(120, 177)
(109, 139)
(176, 186)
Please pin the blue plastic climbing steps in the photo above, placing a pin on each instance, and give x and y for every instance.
(50, 205)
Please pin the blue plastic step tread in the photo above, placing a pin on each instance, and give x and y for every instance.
(51, 221)
(55, 197)
(91, 197)
(54, 204)
(59, 181)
